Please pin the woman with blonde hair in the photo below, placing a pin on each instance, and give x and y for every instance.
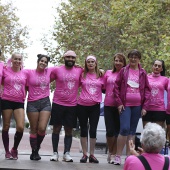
(13, 97)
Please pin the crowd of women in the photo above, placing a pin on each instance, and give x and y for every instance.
(130, 93)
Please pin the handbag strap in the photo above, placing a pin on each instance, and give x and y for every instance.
(147, 166)
(166, 164)
(144, 162)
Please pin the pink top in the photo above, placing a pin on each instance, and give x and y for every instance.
(133, 97)
(38, 84)
(168, 98)
(156, 162)
(14, 85)
(109, 80)
(158, 84)
(91, 90)
(1, 72)
(67, 84)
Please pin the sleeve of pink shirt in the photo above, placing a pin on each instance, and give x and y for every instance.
(147, 93)
(53, 73)
(168, 98)
(116, 88)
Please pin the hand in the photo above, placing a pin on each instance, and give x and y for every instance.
(101, 72)
(121, 108)
(77, 65)
(132, 148)
(143, 112)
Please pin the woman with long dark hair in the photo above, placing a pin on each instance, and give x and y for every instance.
(111, 113)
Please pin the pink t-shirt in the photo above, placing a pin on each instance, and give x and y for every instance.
(156, 162)
(91, 90)
(38, 84)
(14, 85)
(168, 98)
(67, 84)
(158, 86)
(133, 97)
(109, 80)
(1, 72)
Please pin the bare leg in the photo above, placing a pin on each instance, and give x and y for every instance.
(121, 141)
(84, 144)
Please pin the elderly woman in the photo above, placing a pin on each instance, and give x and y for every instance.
(152, 140)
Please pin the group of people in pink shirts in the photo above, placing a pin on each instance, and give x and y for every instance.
(130, 93)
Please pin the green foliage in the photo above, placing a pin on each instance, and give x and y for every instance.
(12, 35)
(105, 27)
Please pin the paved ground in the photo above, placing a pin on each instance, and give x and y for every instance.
(46, 150)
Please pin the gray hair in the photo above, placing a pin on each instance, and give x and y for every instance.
(153, 138)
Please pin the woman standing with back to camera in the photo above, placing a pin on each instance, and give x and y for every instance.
(132, 92)
(111, 113)
(38, 105)
(13, 97)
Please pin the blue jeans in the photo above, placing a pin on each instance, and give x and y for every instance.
(129, 119)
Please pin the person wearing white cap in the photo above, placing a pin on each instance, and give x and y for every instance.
(64, 103)
(89, 106)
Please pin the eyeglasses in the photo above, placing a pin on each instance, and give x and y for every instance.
(133, 57)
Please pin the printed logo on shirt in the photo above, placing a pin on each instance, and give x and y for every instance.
(16, 82)
(91, 86)
(69, 84)
(155, 92)
(110, 82)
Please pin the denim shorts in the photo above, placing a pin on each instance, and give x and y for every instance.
(129, 119)
(39, 105)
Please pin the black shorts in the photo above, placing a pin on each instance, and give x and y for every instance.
(154, 116)
(168, 119)
(62, 115)
(112, 121)
(6, 104)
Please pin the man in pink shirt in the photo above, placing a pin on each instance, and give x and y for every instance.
(64, 103)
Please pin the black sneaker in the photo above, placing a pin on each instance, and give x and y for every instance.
(92, 159)
(84, 159)
(35, 156)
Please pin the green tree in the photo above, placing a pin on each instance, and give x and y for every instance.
(13, 37)
(106, 27)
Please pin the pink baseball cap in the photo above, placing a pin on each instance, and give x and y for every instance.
(70, 53)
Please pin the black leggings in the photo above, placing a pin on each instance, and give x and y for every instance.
(91, 114)
(112, 121)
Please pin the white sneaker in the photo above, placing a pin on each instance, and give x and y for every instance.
(109, 158)
(112, 158)
(54, 157)
(117, 160)
(67, 157)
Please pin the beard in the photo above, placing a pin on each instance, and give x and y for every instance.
(69, 63)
